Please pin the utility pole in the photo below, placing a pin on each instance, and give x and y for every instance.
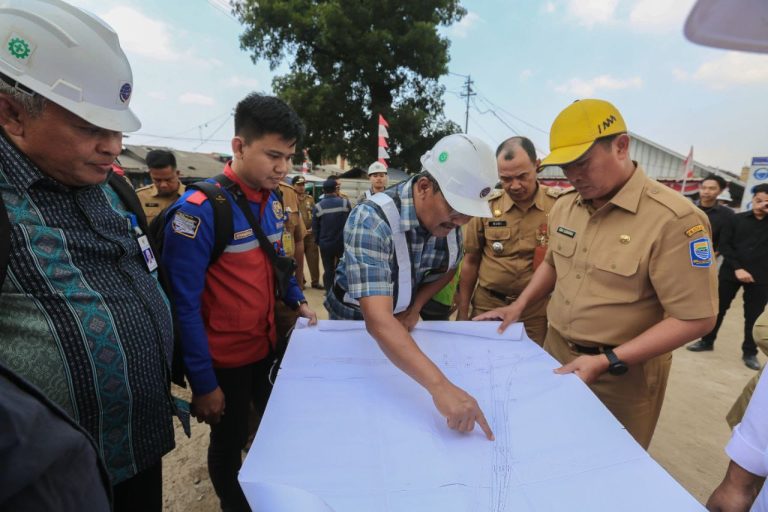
(468, 94)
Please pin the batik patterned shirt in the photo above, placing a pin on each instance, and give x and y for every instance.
(81, 315)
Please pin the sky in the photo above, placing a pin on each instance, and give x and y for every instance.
(527, 60)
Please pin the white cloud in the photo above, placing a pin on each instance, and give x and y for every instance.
(733, 69)
(655, 15)
(680, 74)
(140, 34)
(580, 88)
(243, 81)
(550, 7)
(467, 23)
(526, 74)
(593, 12)
(193, 98)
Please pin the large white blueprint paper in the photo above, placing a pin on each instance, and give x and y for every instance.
(347, 431)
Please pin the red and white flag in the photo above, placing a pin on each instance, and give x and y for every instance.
(688, 166)
(383, 136)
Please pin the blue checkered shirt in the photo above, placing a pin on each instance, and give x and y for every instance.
(369, 267)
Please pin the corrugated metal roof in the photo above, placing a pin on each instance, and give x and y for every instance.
(191, 164)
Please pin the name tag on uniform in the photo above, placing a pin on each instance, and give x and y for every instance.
(146, 251)
(497, 223)
(152, 205)
(567, 232)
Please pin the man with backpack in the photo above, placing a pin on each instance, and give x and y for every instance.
(82, 314)
(226, 306)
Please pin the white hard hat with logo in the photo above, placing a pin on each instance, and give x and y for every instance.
(465, 168)
(69, 57)
(376, 167)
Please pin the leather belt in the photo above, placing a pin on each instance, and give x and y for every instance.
(582, 349)
(501, 296)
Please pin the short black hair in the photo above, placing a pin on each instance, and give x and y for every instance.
(509, 145)
(721, 183)
(160, 158)
(763, 187)
(257, 115)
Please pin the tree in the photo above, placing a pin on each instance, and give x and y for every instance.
(351, 60)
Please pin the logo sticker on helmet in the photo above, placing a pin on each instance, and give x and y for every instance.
(125, 92)
(19, 48)
(485, 192)
(443, 157)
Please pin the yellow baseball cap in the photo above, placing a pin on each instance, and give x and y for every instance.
(577, 128)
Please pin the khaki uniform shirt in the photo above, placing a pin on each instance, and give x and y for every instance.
(154, 204)
(306, 203)
(507, 240)
(644, 255)
(294, 226)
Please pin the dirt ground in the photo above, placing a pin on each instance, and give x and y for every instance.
(689, 439)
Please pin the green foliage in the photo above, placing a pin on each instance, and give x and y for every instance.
(351, 60)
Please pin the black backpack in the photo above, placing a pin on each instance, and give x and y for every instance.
(222, 217)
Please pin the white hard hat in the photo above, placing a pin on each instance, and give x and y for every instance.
(725, 195)
(465, 168)
(376, 167)
(69, 57)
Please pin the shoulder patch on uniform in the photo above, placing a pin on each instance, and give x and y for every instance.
(145, 187)
(695, 229)
(569, 190)
(185, 224)
(701, 252)
(277, 209)
(197, 198)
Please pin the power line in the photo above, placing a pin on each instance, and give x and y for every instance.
(484, 98)
(214, 133)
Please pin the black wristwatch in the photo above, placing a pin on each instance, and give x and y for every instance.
(615, 365)
(299, 303)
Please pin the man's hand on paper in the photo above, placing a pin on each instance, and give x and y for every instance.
(460, 409)
(306, 312)
(409, 318)
(208, 407)
(588, 368)
(508, 315)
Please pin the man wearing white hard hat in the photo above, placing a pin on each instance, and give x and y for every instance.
(401, 247)
(377, 175)
(83, 315)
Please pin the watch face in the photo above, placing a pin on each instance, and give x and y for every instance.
(618, 368)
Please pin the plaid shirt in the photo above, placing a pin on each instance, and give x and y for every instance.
(369, 266)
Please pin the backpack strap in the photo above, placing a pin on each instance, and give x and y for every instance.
(223, 228)
(5, 241)
(129, 198)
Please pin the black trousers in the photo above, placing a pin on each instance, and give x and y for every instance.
(755, 298)
(143, 491)
(330, 257)
(242, 387)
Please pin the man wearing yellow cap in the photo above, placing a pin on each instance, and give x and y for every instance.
(629, 265)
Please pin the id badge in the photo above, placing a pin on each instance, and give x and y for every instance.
(146, 251)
